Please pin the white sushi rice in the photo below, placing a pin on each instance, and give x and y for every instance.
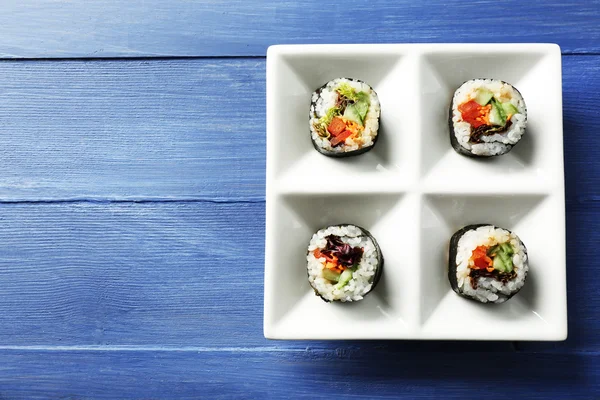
(324, 100)
(489, 289)
(498, 143)
(362, 279)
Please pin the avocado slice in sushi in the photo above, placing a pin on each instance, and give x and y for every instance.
(344, 118)
(344, 263)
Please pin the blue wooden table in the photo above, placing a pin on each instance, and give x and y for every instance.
(132, 182)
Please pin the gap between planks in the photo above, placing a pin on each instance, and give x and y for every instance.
(140, 200)
(162, 348)
(569, 200)
(169, 58)
(268, 349)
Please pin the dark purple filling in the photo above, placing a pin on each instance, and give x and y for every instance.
(346, 254)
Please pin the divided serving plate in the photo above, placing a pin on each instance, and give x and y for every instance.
(413, 191)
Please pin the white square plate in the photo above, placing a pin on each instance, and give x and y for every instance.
(413, 191)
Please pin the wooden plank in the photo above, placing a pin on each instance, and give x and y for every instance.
(583, 303)
(172, 274)
(113, 28)
(130, 129)
(306, 374)
(147, 274)
(94, 134)
(181, 274)
(581, 93)
(186, 129)
(583, 225)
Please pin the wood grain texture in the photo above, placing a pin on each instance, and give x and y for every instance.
(581, 93)
(143, 130)
(130, 129)
(185, 274)
(305, 374)
(113, 28)
(132, 212)
(583, 225)
(162, 274)
(168, 275)
(186, 129)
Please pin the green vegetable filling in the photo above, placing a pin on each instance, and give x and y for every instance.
(354, 107)
(362, 104)
(483, 96)
(502, 257)
(345, 277)
(358, 106)
(351, 113)
(347, 91)
(497, 114)
(331, 275)
(500, 111)
(509, 108)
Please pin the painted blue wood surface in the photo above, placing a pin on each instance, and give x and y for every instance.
(161, 274)
(375, 372)
(133, 129)
(186, 129)
(114, 28)
(132, 204)
(182, 274)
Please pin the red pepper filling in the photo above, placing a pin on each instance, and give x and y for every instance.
(475, 114)
(336, 126)
(481, 259)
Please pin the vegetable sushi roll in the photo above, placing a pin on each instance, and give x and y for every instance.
(487, 263)
(344, 263)
(344, 118)
(487, 118)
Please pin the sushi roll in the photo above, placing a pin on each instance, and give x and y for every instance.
(344, 263)
(344, 118)
(487, 118)
(487, 264)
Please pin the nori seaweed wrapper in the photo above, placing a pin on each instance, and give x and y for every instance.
(380, 260)
(343, 154)
(454, 142)
(452, 260)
